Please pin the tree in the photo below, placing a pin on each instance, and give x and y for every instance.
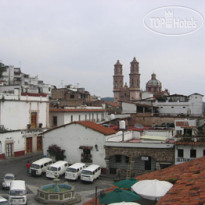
(56, 152)
(1, 69)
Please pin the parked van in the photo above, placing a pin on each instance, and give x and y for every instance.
(73, 172)
(56, 169)
(18, 193)
(90, 173)
(39, 167)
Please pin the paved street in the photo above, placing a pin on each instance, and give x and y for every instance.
(18, 167)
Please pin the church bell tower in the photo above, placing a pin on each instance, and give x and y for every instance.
(134, 81)
(117, 81)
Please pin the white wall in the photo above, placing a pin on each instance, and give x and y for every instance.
(161, 133)
(187, 148)
(65, 117)
(193, 106)
(71, 137)
(15, 115)
(128, 135)
(129, 108)
(12, 137)
(196, 104)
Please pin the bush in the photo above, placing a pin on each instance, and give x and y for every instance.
(56, 152)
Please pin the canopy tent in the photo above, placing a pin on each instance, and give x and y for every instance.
(152, 189)
(118, 195)
(127, 183)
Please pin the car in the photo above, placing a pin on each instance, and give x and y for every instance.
(3, 201)
(8, 178)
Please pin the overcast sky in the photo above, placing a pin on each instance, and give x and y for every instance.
(79, 41)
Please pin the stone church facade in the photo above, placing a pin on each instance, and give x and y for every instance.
(123, 92)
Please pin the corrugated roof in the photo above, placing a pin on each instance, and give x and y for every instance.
(88, 124)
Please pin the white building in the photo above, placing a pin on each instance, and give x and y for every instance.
(130, 107)
(22, 110)
(188, 150)
(82, 141)
(22, 117)
(186, 127)
(191, 105)
(12, 76)
(67, 115)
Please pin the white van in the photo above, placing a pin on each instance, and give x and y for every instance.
(73, 172)
(90, 173)
(39, 167)
(18, 193)
(56, 169)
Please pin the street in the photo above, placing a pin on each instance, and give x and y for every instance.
(17, 166)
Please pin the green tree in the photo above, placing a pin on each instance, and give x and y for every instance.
(1, 69)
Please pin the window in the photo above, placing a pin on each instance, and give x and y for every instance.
(127, 159)
(193, 153)
(118, 158)
(180, 153)
(33, 119)
(147, 164)
(55, 121)
(204, 152)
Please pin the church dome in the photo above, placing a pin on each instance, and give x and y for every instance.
(153, 82)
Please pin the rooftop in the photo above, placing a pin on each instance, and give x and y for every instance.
(189, 187)
(76, 110)
(88, 124)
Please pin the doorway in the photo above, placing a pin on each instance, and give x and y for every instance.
(9, 149)
(29, 144)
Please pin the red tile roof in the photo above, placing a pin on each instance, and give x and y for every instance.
(97, 127)
(189, 188)
(76, 110)
(190, 185)
(34, 94)
(113, 104)
(88, 124)
(181, 123)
